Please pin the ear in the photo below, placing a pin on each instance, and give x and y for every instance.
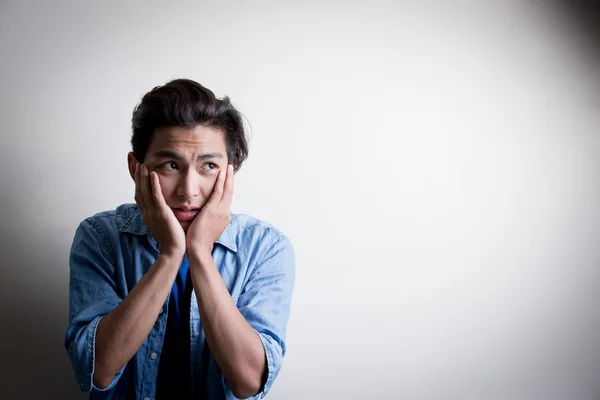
(131, 162)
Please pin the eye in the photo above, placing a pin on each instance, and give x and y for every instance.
(209, 166)
(170, 165)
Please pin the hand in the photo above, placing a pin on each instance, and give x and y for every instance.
(213, 218)
(157, 215)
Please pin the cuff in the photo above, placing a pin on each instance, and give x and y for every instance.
(83, 353)
(273, 356)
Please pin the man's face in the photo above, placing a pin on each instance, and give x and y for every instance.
(187, 162)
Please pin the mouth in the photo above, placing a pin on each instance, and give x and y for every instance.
(185, 215)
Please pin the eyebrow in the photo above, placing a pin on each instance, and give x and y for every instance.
(179, 157)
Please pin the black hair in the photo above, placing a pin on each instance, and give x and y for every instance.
(186, 103)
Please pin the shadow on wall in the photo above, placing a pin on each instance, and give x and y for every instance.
(584, 17)
(34, 304)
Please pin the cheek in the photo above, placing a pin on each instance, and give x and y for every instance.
(167, 187)
(206, 186)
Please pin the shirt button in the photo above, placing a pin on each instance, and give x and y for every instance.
(153, 356)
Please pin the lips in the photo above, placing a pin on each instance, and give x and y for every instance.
(185, 214)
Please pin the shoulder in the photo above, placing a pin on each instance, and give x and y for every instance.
(253, 235)
(248, 225)
(102, 231)
(112, 221)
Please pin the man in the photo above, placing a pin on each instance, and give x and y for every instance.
(175, 297)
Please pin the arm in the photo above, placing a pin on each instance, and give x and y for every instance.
(99, 318)
(247, 339)
(122, 331)
(236, 346)
(265, 303)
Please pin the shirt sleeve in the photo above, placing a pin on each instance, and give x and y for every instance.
(265, 303)
(92, 294)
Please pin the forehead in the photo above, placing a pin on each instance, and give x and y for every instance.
(188, 140)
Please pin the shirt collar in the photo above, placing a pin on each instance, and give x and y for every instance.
(134, 224)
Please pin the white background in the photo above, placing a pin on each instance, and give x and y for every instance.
(435, 166)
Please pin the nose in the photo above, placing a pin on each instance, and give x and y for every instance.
(188, 186)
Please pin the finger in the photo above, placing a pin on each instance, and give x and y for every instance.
(139, 199)
(217, 193)
(146, 190)
(228, 190)
(159, 199)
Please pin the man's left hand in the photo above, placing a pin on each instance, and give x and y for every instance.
(213, 218)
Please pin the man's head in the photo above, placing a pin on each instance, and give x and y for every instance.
(186, 135)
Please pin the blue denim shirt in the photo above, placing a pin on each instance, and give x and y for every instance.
(111, 252)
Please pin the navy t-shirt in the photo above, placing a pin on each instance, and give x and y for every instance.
(174, 373)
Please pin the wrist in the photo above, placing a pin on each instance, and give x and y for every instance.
(197, 248)
(200, 255)
(172, 256)
(172, 249)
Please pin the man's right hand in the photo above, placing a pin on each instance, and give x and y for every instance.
(157, 215)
